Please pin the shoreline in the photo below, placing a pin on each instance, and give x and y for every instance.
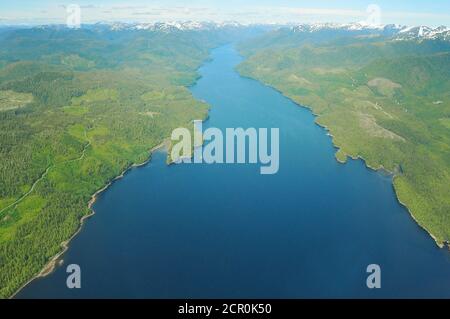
(53, 262)
(441, 245)
(381, 168)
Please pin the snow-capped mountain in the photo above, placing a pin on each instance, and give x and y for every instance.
(398, 32)
(172, 26)
(424, 32)
(394, 31)
(359, 26)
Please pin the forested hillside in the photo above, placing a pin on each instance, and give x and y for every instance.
(382, 99)
(78, 107)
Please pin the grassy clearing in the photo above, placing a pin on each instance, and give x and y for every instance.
(10, 100)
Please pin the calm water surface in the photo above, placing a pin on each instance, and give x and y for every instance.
(226, 231)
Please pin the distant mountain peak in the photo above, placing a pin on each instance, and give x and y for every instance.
(356, 26)
(172, 25)
(395, 31)
(424, 32)
(399, 32)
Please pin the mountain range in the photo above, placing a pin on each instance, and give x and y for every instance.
(397, 32)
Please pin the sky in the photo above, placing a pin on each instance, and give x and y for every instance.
(405, 12)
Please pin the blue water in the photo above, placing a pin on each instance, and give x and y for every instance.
(209, 231)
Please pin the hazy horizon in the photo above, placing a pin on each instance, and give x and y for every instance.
(246, 12)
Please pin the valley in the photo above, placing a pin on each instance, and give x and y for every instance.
(80, 107)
